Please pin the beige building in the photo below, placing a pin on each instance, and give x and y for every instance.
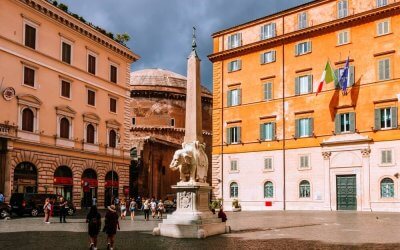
(64, 105)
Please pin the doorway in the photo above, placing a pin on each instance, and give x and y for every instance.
(346, 192)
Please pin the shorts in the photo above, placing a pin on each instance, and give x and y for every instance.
(132, 210)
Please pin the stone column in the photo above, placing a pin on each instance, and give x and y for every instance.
(7, 176)
(365, 180)
(327, 180)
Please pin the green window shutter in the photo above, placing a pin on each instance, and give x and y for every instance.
(381, 70)
(229, 42)
(337, 124)
(274, 55)
(262, 32)
(273, 130)
(387, 69)
(352, 76)
(268, 91)
(262, 58)
(273, 29)
(230, 67)
(296, 49)
(262, 132)
(309, 46)
(239, 64)
(394, 117)
(240, 39)
(228, 135)
(310, 126)
(239, 91)
(297, 128)
(337, 86)
(310, 84)
(229, 98)
(377, 119)
(297, 86)
(239, 134)
(352, 117)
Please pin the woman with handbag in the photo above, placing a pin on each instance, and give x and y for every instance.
(110, 226)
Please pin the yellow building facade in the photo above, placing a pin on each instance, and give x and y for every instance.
(65, 105)
(278, 145)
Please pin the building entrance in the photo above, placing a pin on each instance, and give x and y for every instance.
(346, 191)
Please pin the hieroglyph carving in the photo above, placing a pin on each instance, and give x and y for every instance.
(192, 162)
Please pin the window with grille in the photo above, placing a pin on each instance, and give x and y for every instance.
(29, 76)
(268, 163)
(304, 189)
(234, 190)
(387, 188)
(268, 189)
(66, 52)
(386, 156)
(65, 89)
(268, 31)
(234, 165)
(64, 128)
(30, 36)
(234, 40)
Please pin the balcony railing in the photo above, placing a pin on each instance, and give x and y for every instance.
(7, 130)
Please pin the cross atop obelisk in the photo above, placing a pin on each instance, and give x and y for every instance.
(193, 123)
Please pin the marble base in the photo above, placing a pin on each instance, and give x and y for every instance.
(192, 218)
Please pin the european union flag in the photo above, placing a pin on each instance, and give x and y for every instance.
(344, 78)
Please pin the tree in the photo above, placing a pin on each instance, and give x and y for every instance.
(123, 38)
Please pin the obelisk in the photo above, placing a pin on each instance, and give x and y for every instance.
(193, 122)
(192, 218)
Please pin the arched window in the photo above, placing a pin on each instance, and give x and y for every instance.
(304, 189)
(112, 137)
(64, 128)
(387, 188)
(27, 120)
(268, 189)
(234, 190)
(90, 133)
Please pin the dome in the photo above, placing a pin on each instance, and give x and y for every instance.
(160, 77)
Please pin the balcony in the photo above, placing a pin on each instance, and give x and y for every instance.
(8, 131)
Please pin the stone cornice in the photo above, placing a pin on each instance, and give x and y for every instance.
(60, 17)
(166, 95)
(363, 17)
(163, 129)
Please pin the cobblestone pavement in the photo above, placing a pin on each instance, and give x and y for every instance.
(250, 230)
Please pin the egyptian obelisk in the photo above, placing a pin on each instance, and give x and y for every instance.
(192, 218)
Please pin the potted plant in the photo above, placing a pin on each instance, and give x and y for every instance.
(236, 206)
(216, 204)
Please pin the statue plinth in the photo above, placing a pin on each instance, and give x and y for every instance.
(192, 218)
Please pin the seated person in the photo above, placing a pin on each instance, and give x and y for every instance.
(222, 215)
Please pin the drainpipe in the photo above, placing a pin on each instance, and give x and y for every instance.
(283, 116)
(222, 127)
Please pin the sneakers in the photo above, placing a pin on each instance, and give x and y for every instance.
(91, 247)
(47, 222)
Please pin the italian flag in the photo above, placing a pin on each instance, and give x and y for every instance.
(327, 76)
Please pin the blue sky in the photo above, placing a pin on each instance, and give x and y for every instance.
(161, 30)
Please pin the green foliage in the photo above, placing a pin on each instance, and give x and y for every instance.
(123, 38)
(55, 3)
(63, 7)
(216, 204)
(235, 203)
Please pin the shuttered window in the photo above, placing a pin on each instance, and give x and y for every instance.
(64, 128)
(386, 118)
(345, 123)
(233, 135)
(302, 20)
(380, 3)
(234, 40)
(234, 97)
(90, 133)
(304, 161)
(303, 48)
(342, 8)
(384, 69)
(268, 31)
(268, 91)
(267, 131)
(30, 36)
(66, 52)
(29, 76)
(268, 57)
(91, 97)
(303, 84)
(113, 105)
(234, 65)
(268, 163)
(65, 89)
(113, 74)
(343, 37)
(112, 137)
(350, 79)
(92, 64)
(27, 120)
(234, 165)
(383, 28)
(386, 156)
(304, 127)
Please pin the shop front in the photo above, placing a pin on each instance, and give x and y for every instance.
(89, 188)
(63, 182)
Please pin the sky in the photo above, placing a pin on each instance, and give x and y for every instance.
(161, 30)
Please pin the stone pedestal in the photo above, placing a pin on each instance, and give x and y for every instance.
(192, 218)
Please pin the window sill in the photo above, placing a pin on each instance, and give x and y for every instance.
(29, 86)
(63, 142)
(268, 62)
(304, 169)
(387, 34)
(234, 171)
(385, 165)
(114, 113)
(306, 53)
(268, 170)
(344, 44)
(233, 71)
(66, 98)
(91, 106)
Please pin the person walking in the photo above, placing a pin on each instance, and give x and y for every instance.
(123, 209)
(2, 199)
(63, 210)
(132, 208)
(153, 206)
(146, 209)
(47, 210)
(110, 226)
(160, 209)
(93, 219)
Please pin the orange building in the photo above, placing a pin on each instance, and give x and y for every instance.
(278, 145)
(65, 90)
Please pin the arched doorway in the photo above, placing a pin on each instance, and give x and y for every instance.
(63, 182)
(25, 178)
(89, 187)
(111, 187)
